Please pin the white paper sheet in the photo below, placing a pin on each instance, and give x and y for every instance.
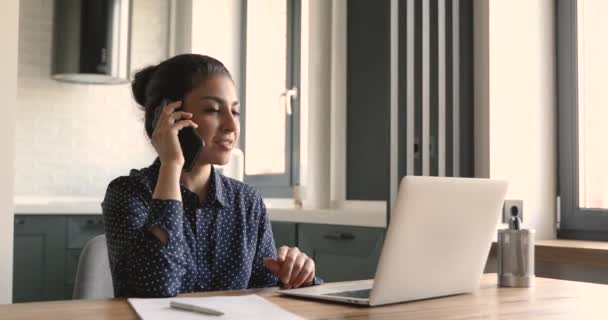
(234, 307)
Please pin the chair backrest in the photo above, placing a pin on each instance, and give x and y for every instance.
(93, 277)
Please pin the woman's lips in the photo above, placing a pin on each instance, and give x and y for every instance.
(226, 144)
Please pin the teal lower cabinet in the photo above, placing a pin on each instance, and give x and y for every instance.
(46, 253)
(39, 258)
(342, 253)
(284, 234)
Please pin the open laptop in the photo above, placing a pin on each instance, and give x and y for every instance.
(436, 245)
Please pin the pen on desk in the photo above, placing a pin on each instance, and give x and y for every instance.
(195, 308)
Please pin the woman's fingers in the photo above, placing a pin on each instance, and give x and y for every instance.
(292, 266)
(167, 114)
(272, 265)
(184, 123)
(287, 266)
(281, 253)
(308, 269)
(174, 117)
(311, 276)
(180, 115)
(168, 122)
(170, 107)
(297, 267)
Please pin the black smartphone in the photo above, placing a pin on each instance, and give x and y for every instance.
(190, 141)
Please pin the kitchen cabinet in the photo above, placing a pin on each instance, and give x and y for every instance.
(284, 234)
(39, 258)
(342, 253)
(46, 253)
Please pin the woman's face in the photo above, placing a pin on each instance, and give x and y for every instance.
(215, 108)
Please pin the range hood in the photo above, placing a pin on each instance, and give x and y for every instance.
(91, 41)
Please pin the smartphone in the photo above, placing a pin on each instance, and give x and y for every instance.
(190, 141)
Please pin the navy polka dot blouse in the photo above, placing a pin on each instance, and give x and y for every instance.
(218, 246)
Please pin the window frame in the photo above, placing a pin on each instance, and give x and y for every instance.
(573, 222)
(278, 185)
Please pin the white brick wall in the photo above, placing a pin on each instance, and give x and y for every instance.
(72, 139)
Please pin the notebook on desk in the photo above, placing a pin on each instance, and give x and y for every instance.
(234, 307)
(436, 245)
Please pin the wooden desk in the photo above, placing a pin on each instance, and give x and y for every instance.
(550, 299)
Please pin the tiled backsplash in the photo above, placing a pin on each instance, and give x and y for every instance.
(72, 139)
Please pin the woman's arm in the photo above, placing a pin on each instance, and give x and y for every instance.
(167, 188)
(146, 243)
(142, 264)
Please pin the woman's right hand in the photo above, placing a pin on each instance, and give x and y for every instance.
(165, 139)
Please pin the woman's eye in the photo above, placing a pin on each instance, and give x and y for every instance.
(236, 113)
(212, 110)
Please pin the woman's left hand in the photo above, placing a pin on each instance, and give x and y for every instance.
(292, 266)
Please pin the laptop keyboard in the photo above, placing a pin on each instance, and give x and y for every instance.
(361, 294)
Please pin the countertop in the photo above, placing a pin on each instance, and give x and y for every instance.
(55, 205)
(30, 205)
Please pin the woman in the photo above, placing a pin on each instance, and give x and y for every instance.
(170, 231)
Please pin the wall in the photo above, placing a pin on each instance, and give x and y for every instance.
(72, 139)
(515, 104)
(216, 31)
(9, 31)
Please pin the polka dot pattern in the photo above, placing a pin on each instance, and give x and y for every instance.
(217, 246)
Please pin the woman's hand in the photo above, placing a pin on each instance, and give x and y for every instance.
(292, 266)
(164, 137)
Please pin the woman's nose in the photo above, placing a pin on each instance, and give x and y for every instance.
(229, 122)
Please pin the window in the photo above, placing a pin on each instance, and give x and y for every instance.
(583, 113)
(270, 112)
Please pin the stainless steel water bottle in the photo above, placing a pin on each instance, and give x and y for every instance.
(515, 255)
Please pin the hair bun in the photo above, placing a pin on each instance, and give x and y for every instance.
(140, 83)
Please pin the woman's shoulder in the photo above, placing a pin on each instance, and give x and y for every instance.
(240, 188)
(240, 191)
(140, 180)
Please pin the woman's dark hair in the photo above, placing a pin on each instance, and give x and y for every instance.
(172, 79)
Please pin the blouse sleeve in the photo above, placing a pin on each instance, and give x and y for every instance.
(261, 277)
(141, 264)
